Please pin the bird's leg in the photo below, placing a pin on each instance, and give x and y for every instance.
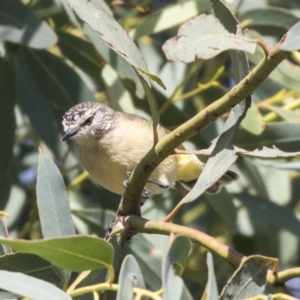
(146, 192)
(158, 183)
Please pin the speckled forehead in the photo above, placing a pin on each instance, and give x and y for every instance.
(76, 113)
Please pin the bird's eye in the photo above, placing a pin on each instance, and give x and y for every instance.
(88, 121)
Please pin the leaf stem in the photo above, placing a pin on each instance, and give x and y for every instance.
(113, 287)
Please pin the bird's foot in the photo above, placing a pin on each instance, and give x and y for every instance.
(146, 192)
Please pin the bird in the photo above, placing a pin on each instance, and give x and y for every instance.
(111, 144)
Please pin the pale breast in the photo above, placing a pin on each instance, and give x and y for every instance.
(120, 150)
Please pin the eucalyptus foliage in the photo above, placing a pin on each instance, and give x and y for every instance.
(226, 76)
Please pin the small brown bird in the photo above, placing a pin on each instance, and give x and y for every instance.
(112, 143)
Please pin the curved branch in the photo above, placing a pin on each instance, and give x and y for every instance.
(130, 203)
(138, 224)
(286, 275)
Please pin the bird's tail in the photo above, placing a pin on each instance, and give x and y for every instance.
(189, 169)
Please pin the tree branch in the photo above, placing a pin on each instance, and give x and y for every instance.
(130, 203)
(138, 224)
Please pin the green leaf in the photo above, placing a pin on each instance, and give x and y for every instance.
(142, 249)
(152, 102)
(52, 200)
(122, 67)
(249, 279)
(46, 88)
(222, 204)
(82, 53)
(169, 17)
(130, 276)
(154, 78)
(204, 37)
(7, 130)
(283, 135)
(273, 21)
(215, 167)
(253, 122)
(173, 266)
(110, 32)
(31, 265)
(292, 39)
(223, 156)
(3, 232)
(30, 287)
(120, 98)
(18, 24)
(8, 296)
(211, 289)
(286, 73)
(286, 114)
(76, 253)
(114, 36)
(282, 217)
(266, 152)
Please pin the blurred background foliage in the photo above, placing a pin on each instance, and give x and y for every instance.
(61, 62)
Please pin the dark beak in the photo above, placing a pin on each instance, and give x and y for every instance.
(69, 133)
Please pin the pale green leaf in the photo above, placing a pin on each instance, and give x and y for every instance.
(76, 253)
(282, 217)
(253, 122)
(211, 289)
(292, 39)
(266, 152)
(204, 37)
(170, 17)
(249, 279)
(270, 20)
(173, 266)
(52, 200)
(32, 265)
(30, 287)
(130, 276)
(18, 24)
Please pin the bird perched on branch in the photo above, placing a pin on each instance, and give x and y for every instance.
(112, 143)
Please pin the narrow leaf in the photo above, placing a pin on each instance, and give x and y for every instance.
(120, 98)
(53, 203)
(110, 31)
(30, 287)
(282, 217)
(3, 232)
(204, 37)
(173, 266)
(253, 122)
(130, 276)
(215, 167)
(46, 88)
(266, 152)
(223, 156)
(285, 136)
(31, 265)
(211, 289)
(115, 37)
(249, 279)
(291, 41)
(270, 20)
(169, 17)
(18, 24)
(76, 253)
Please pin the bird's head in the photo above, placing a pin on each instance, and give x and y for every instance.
(87, 120)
